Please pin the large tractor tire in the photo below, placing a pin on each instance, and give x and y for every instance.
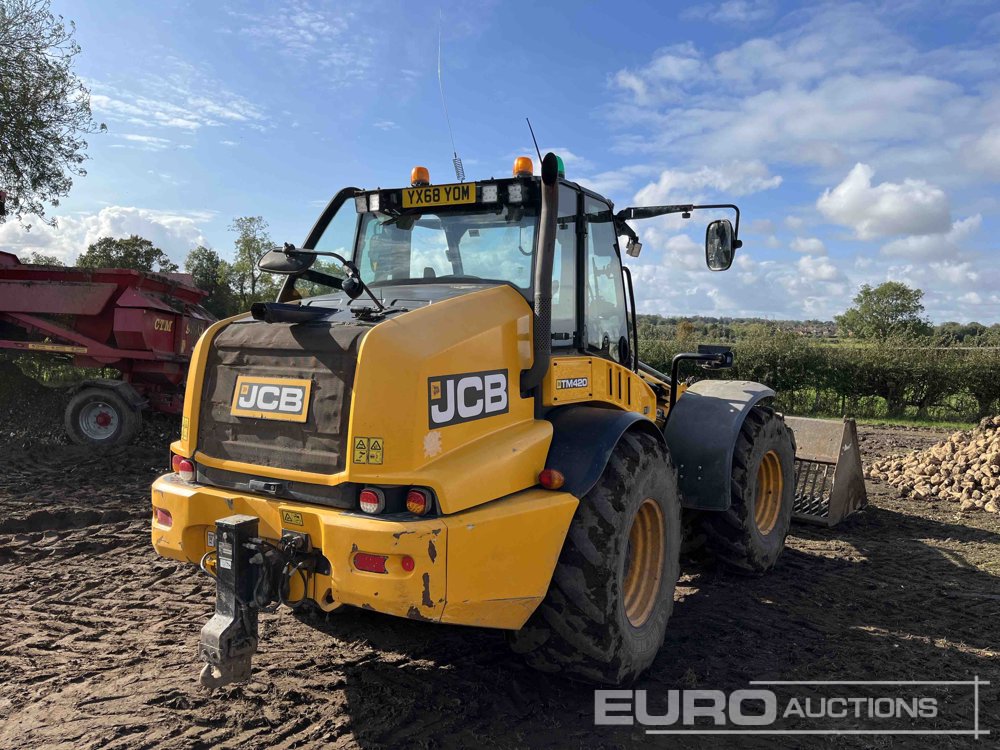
(99, 417)
(750, 536)
(612, 592)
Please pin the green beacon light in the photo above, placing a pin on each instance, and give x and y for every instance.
(561, 168)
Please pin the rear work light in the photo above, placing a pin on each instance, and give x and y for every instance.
(184, 467)
(370, 563)
(372, 500)
(418, 501)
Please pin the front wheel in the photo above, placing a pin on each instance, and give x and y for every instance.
(605, 615)
(750, 536)
(100, 417)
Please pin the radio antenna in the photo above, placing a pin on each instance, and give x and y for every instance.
(456, 159)
(532, 131)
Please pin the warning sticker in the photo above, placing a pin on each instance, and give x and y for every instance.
(368, 450)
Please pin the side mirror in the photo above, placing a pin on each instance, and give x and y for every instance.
(277, 261)
(719, 245)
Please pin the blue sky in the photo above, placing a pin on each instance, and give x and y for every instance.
(862, 141)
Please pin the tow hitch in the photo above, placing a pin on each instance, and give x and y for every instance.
(251, 574)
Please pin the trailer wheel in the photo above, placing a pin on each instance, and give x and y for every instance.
(100, 417)
(750, 536)
(612, 592)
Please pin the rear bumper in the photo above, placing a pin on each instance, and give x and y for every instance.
(488, 566)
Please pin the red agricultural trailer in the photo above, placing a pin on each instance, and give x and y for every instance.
(142, 324)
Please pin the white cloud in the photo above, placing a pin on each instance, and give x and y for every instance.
(819, 269)
(147, 142)
(182, 97)
(733, 11)
(176, 233)
(735, 178)
(328, 37)
(912, 207)
(662, 78)
(228, 143)
(835, 86)
(935, 246)
(808, 246)
(983, 153)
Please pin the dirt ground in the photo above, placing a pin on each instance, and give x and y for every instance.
(98, 636)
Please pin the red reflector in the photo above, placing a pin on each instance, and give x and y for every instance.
(162, 517)
(418, 501)
(184, 467)
(408, 563)
(372, 500)
(551, 479)
(370, 563)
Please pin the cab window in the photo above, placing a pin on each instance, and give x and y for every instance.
(604, 295)
(564, 271)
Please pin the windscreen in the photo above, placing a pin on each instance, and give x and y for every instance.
(450, 246)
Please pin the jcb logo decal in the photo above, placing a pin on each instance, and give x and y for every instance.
(271, 398)
(462, 398)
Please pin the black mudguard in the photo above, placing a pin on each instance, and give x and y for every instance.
(701, 435)
(132, 397)
(583, 438)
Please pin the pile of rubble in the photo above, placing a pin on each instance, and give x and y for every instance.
(963, 469)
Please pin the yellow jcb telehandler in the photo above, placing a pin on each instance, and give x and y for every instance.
(444, 417)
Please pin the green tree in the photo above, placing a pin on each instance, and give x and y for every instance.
(44, 109)
(249, 283)
(214, 275)
(134, 252)
(890, 309)
(40, 259)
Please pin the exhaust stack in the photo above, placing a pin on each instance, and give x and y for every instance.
(542, 318)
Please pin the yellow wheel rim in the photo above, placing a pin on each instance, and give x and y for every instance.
(644, 562)
(770, 483)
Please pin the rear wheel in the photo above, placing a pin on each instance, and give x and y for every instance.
(605, 614)
(750, 536)
(100, 417)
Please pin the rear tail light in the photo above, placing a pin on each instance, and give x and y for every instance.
(184, 467)
(551, 479)
(407, 563)
(372, 501)
(418, 501)
(370, 563)
(162, 517)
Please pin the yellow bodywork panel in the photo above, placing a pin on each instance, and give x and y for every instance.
(490, 566)
(576, 379)
(400, 366)
(501, 557)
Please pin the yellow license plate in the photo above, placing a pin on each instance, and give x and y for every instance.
(439, 195)
(286, 399)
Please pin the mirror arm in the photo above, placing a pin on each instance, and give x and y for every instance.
(649, 212)
(290, 249)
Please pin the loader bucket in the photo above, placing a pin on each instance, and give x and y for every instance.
(829, 483)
